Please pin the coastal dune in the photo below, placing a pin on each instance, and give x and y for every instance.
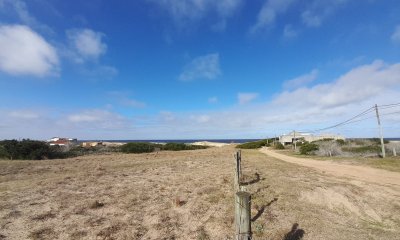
(187, 195)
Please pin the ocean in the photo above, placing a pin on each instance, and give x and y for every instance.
(195, 140)
(177, 140)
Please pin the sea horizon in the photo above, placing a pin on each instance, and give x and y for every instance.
(233, 140)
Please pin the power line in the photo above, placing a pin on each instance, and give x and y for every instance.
(359, 120)
(367, 111)
(392, 104)
(390, 113)
(348, 121)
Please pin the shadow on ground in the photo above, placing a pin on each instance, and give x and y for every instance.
(295, 234)
(252, 181)
(262, 209)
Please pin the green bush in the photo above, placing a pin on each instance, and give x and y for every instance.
(279, 146)
(301, 143)
(3, 153)
(138, 147)
(341, 142)
(378, 141)
(175, 146)
(363, 149)
(29, 150)
(308, 148)
(181, 146)
(144, 147)
(255, 144)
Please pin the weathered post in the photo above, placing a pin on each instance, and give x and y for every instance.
(243, 216)
(394, 152)
(294, 140)
(238, 169)
(380, 131)
(240, 164)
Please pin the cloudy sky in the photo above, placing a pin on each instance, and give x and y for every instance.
(190, 69)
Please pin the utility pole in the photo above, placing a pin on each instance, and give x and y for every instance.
(380, 131)
(294, 139)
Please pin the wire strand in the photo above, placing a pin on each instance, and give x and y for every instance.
(347, 121)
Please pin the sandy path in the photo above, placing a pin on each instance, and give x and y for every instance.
(366, 174)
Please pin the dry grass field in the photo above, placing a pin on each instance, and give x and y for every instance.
(187, 195)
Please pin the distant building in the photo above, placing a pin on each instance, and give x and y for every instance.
(58, 141)
(294, 136)
(91, 144)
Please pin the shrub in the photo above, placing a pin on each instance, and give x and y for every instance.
(255, 144)
(328, 148)
(29, 150)
(327, 139)
(378, 141)
(363, 149)
(181, 146)
(279, 146)
(341, 142)
(143, 147)
(175, 147)
(3, 153)
(138, 147)
(301, 143)
(308, 148)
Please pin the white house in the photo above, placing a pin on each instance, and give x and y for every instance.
(57, 141)
(293, 136)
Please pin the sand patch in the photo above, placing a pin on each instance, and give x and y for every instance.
(340, 199)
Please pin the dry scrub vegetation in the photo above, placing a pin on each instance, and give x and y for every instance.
(187, 195)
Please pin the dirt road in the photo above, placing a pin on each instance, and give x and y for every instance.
(367, 174)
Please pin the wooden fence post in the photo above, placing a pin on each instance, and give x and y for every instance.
(243, 216)
(238, 170)
(240, 163)
(394, 152)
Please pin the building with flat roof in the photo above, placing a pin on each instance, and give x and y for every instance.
(295, 136)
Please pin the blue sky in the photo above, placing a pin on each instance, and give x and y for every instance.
(169, 69)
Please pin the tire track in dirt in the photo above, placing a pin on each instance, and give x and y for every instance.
(367, 174)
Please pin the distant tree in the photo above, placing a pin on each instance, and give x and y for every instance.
(11, 148)
(29, 150)
(308, 148)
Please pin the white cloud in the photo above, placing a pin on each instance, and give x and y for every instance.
(319, 10)
(311, 19)
(187, 11)
(245, 98)
(305, 108)
(99, 71)
(95, 119)
(167, 116)
(85, 48)
(133, 103)
(301, 81)
(203, 67)
(122, 98)
(24, 114)
(396, 35)
(289, 31)
(24, 52)
(43, 124)
(212, 100)
(21, 11)
(201, 118)
(269, 12)
(84, 117)
(358, 85)
(88, 44)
